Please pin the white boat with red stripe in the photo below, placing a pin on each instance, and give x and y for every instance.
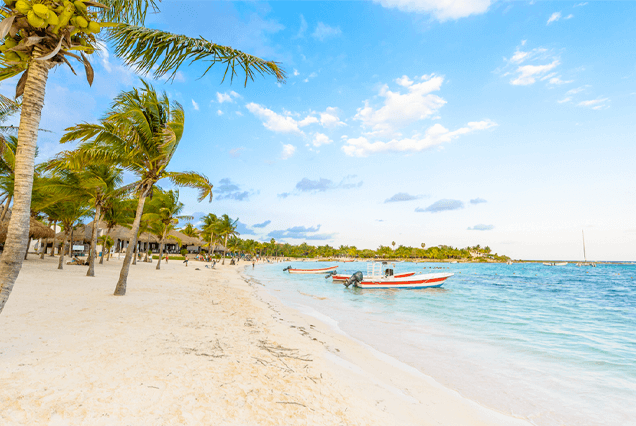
(345, 277)
(413, 282)
(311, 271)
(381, 276)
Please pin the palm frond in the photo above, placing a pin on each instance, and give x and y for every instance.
(159, 53)
(192, 180)
(131, 11)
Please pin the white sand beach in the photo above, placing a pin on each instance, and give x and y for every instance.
(196, 347)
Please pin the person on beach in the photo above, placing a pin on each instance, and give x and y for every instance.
(166, 257)
(252, 264)
(186, 260)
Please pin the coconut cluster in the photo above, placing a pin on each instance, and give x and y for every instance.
(50, 24)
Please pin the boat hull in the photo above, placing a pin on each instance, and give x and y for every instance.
(313, 271)
(341, 277)
(416, 282)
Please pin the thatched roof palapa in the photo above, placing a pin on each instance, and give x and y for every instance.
(37, 230)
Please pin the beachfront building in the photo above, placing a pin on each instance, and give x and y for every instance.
(81, 237)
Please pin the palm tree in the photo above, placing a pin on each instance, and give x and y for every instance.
(141, 132)
(70, 213)
(99, 182)
(226, 228)
(163, 215)
(145, 50)
(190, 230)
(393, 244)
(208, 230)
(118, 212)
(107, 243)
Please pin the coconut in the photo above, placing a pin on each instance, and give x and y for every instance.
(35, 20)
(10, 42)
(22, 6)
(94, 27)
(79, 5)
(83, 23)
(53, 19)
(11, 57)
(41, 10)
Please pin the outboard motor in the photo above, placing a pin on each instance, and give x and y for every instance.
(287, 269)
(388, 272)
(330, 274)
(354, 279)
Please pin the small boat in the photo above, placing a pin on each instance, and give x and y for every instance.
(347, 261)
(382, 277)
(555, 263)
(343, 277)
(310, 271)
(414, 282)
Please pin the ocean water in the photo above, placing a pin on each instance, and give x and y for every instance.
(553, 345)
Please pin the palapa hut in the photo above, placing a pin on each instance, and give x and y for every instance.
(37, 230)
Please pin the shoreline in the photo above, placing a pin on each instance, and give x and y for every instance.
(385, 371)
(188, 346)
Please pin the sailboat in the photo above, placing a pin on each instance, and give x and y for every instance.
(585, 262)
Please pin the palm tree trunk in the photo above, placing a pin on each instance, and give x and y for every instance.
(18, 229)
(120, 289)
(5, 209)
(146, 250)
(91, 259)
(224, 250)
(42, 248)
(54, 238)
(134, 262)
(26, 253)
(160, 253)
(60, 264)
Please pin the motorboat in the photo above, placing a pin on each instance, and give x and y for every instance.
(345, 277)
(310, 271)
(383, 278)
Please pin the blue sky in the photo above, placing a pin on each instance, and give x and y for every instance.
(508, 124)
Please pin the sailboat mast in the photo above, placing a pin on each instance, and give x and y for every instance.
(584, 256)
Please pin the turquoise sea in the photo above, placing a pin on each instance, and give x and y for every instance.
(554, 345)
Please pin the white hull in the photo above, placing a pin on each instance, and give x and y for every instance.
(313, 271)
(413, 282)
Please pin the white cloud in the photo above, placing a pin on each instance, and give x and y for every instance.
(320, 139)
(227, 96)
(195, 105)
(596, 104)
(554, 17)
(570, 16)
(564, 100)
(324, 31)
(273, 121)
(303, 27)
(288, 151)
(400, 109)
(580, 4)
(329, 118)
(219, 112)
(435, 135)
(576, 90)
(557, 81)
(239, 113)
(442, 10)
(312, 75)
(295, 73)
(528, 74)
(307, 121)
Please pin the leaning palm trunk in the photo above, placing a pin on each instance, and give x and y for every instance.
(120, 289)
(134, 262)
(60, 265)
(91, 258)
(18, 230)
(5, 209)
(54, 238)
(42, 248)
(26, 253)
(224, 250)
(160, 253)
